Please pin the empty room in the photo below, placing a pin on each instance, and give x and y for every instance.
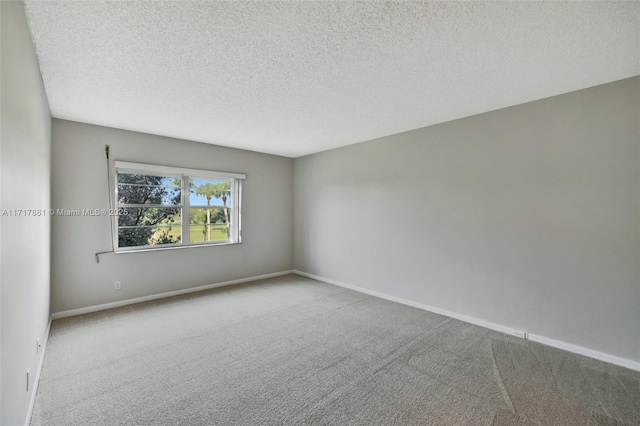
(319, 213)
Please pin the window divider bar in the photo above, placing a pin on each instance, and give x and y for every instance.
(149, 206)
(148, 226)
(146, 185)
(186, 211)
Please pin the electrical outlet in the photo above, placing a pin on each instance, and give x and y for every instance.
(520, 334)
(38, 346)
(118, 285)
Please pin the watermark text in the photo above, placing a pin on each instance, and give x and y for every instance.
(64, 212)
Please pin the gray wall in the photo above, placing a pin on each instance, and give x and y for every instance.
(25, 158)
(79, 179)
(526, 217)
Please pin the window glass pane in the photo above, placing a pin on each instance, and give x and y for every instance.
(210, 192)
(149, 235)
(217, 232)
(149, 216)
(151, 206)
(209, 224)
(147, 189)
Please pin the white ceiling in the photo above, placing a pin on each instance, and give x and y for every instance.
(293, 78)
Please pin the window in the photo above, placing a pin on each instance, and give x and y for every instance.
(161, 207)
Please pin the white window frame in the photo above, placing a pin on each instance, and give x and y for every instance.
(235, 205)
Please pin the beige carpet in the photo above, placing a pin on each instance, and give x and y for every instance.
(291, 350)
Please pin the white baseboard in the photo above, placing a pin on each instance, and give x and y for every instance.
(102, 307)
(580, 350)
(633, 365)
(465, 318)
(36, 380)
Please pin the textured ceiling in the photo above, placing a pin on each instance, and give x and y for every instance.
(293, 78)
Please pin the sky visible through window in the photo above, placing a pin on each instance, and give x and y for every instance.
(200, 200)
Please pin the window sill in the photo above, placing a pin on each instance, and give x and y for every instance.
(181, 247)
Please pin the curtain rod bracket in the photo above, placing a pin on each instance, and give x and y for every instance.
(101, 252)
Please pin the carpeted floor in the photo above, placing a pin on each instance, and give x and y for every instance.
(291, 350)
